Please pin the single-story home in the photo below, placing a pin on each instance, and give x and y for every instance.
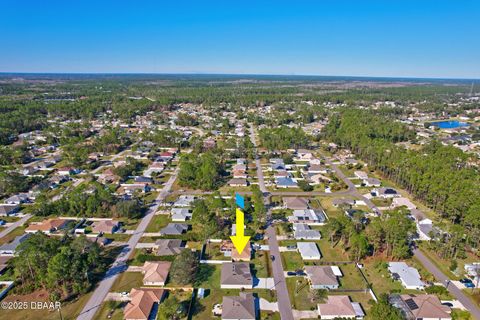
(303, 231)
(47, 226)
(400, 202)
(421, 306)
(105, 226)
(169, 247)
(238, 182)
(372, 182)
(408, 276)
(308, 216)
(424, 227)
(236, 275)
(286, 182)
(229, 249)
(184, 201)
(10, 248)
(181, 214)
(340, 307)
(323, 277)
(174, 229)
(241, 307)
(309, 250)
(295, 203)
(141, 303)
(361, 175)
(8, 209)
(385, 193)
(155, 272)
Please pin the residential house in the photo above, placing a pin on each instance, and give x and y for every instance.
(236, 275)
(48, 226)
(372, 182)
(304, 155)
(408, 276)
(295, 203)
(9, 249)
(286, 182)
(8, 209)
(181, 214)
(421, 307)
(155, 272)
(169, 247)
(174, 229)
(241, 307)
(105, 226)
(308, 216)
(400, 202)
(361, 175)
(385, 193)
(238, 182)
(340, 307)
(309, 250)
(303, 231)
(424, 229)
(229, 249)
(184, 201)
(142, 303)
(240, 174)
(323, 277)
(108, 176)
(18, 199)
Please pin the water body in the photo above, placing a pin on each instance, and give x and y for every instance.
(449, 124)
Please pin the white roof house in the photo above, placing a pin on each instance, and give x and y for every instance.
(400, 202)
(181, 214)
(308, 216)
(303, 231)
(408, 276)
(184, 201)
(361, 175)
(309, 250)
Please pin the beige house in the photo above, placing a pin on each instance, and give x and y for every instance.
(155, 272)
(340, 307)
(141, 303)
(105, 226)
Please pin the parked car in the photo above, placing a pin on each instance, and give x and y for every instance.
(291, 273)
(272, 257)
(465, 280)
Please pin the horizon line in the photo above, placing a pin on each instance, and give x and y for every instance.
(238, 74)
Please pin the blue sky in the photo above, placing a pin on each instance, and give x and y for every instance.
(422, 38)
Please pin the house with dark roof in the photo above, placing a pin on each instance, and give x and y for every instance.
(236, 275)
(239, 307)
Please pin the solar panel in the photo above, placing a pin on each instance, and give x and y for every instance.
(411, 304)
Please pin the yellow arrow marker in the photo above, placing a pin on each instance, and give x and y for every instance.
(239, 239)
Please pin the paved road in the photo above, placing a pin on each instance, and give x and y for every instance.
(441, 277)
(284, 304)
(14, 225)
(352, 190)
(120, 265)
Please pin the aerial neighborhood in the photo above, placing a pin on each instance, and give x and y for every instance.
(127, 199)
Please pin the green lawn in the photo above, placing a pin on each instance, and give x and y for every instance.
(126, 281)
(262, 264)
(15, 232)
(352, 279)
(298, 289)
(105, 311)
(292, 261)
(158, 222)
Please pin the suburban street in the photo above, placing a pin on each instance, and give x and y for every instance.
(14, 225)
(119, 265)
(284, 304)
(441, 277)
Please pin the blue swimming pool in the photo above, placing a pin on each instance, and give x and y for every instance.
(449, 124)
